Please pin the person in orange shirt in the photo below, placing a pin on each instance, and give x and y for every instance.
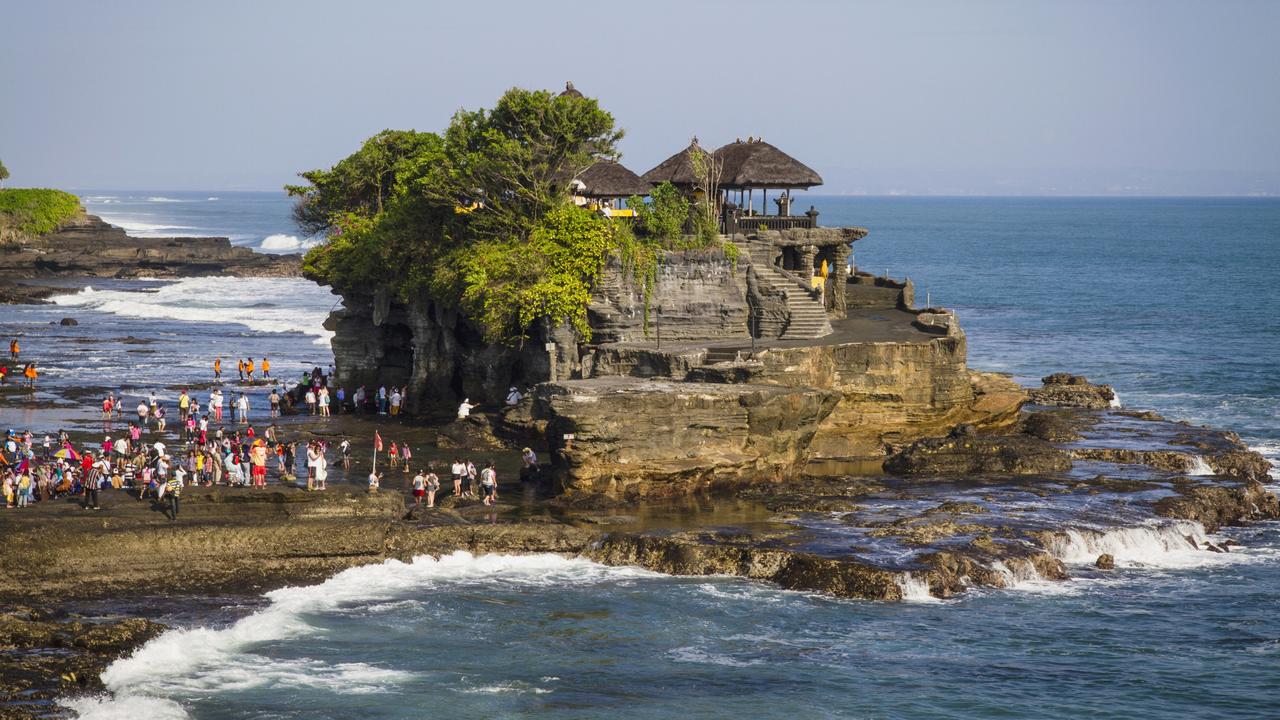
(248, 369)
(30, 373)
(266, 368)
(240, 367)
(14, 349)
(217, 369)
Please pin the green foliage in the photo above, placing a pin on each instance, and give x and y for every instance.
(476, 217)
(4, 172)
(365, 182)
(35, 211)
(665, 215)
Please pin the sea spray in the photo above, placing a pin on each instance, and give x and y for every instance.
(1199, 467)
(1173, 544)
(915, 588)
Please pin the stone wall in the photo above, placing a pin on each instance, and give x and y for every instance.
(698, 295)
(867, 291)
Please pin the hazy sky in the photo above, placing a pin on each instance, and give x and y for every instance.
(879, 97)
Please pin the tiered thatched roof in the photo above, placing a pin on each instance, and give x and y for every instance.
(677, 169)
(607, 178)
(570, 91)
(756, 163)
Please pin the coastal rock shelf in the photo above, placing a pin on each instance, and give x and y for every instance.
(89, 247)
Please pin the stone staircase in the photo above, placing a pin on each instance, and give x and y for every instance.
(807, 318)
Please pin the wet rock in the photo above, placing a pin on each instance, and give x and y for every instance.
(1067, 390)
(963, 454)
(1216, 506)
(1105, 561)
(68, 322)
(1167, 460)
(1241, 464)
(474, 432)
(1057, 426)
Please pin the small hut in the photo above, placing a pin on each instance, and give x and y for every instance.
(606, 183)
(677, 169)
(570, 90)
(755, 164)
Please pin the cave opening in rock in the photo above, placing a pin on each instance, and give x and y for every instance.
(396, 367)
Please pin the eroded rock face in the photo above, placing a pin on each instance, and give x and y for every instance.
(89, 247)
(965, 452)
(637, 438)
(696, 295)
(1067, 390)
(1216, 506)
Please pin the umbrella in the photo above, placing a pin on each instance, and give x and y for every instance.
(67, 454)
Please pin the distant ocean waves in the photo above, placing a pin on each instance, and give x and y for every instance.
(274, 305)
(259, 220)
(280, 241)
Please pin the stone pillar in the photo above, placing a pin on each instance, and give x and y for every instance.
(808, 254)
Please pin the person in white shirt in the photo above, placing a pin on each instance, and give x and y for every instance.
(374, 481)
(464, 410)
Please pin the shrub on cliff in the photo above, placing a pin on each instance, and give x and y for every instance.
(477, 217)
(35, 211)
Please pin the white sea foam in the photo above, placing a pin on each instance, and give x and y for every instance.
(692, 654)
(204, 660)
(125, 708)
(280, 241)
(281, 305)
(914, 589)
(1199, 466)
(163, 199)
(1175, 544)
(1115, 400)
(211, 199)
(142, 228)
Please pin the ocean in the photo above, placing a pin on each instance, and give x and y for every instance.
(1170, 300)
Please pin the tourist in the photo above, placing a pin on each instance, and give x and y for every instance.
(394, 454)
(184, 404)
(457, 470)
(159, 413)
(29, 372)
(464, 410)
(242, 405)
(419, 488)
(321, 467)
(405, 457)
(143, 412)
(382, 400)
(14, 350)
(359, 399)
(489, 483)
(433, 485)
(530, 458)
(258, 459)
(173, 490)
(248, 368)
(217, 370)
(513, 396)
(342, 398)
(345, 448)
(108, 404)
(323, 399)
(311, 401)
(266, 369)
(92, 482)
(395, 400)
(313, 460)
(375, 481)
(240, 367)
(274, 400)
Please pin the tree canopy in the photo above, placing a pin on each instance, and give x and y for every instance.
(480, 216)
(4, 172)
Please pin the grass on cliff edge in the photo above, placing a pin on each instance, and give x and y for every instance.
(34, 211)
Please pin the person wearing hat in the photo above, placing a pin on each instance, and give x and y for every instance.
(464, 410)
(513, 396)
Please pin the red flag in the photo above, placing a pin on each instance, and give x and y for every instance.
(377, 441)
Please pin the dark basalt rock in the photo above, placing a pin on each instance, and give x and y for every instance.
(1057, 425)
(1106, 561)
(1216, 506)
(68, 322)
(964, 453)
(1067, 390)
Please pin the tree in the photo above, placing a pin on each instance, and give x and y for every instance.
(364, 182)
(4, 173)
(707, 169)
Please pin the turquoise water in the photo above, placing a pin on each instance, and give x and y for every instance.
(1171, 301)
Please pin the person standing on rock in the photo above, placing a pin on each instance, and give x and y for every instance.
(172, 490)
(311, 401)
(217, 369)
(433, 485)
(489, 483)
(274, 400)
(465, 408)
(419, 488)
(240, 368)
(457, 470)
(243, 406)
(345, 448)
(14, 349)
(248, 369)
(266, 369)
(395, 401)
(405, 457)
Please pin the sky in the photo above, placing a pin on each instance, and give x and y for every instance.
(898, 97)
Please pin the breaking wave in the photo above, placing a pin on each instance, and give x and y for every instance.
(279, 305)
(201, 660)
(280, 241)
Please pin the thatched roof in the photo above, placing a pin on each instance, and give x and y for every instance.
(570, 91)
(756, 163)
(677, 169)
(607, 178)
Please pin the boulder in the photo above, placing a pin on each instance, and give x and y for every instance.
(1067, 390)
(1106, 561)
(68, 322)
(963, 453)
